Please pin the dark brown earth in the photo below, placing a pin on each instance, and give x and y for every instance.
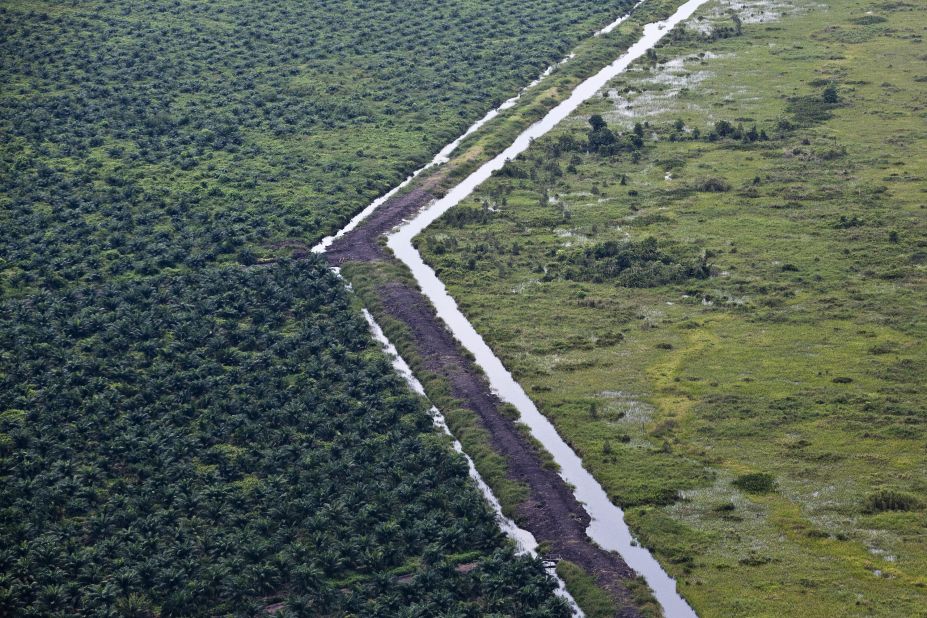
(362, 244)
(551, 513)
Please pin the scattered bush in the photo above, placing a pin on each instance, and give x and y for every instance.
(603, 141)
(713, 185)
(808, 110)
(633, 264)
(755, 483)
(890, 500)
(868, 20)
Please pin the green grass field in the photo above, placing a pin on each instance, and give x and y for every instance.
(802, 356)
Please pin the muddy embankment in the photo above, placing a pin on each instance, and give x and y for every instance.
(362, 244)
(551, 513)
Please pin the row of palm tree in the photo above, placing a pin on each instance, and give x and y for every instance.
(192, 445)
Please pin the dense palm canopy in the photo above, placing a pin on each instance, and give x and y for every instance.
(147, 136)
(201, 445)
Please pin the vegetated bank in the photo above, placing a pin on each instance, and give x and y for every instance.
(711, 280)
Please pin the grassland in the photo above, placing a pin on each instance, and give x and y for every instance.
(801, 356)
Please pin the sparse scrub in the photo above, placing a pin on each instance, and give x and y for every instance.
(755, 483)
(890, 500)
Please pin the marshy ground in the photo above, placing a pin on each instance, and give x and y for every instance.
(799, 356)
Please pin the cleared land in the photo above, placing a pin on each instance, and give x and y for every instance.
(750, 382)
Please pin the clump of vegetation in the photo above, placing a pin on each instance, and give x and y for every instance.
(713, 185)
(459, 217)
(812, 109)
(755, 483)
(868, 20)
(633, 264)
(890, 500)
(603, 141)
(724, 129)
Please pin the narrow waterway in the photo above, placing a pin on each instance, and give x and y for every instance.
(607, 527)
(525, 542)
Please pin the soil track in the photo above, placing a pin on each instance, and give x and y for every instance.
(362, 243)
(551, 513)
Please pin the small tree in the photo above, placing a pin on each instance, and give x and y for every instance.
(600, 137)
(597, 122)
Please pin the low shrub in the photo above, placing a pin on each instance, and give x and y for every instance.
(713, 185)
(755, 483)
(890, 500)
